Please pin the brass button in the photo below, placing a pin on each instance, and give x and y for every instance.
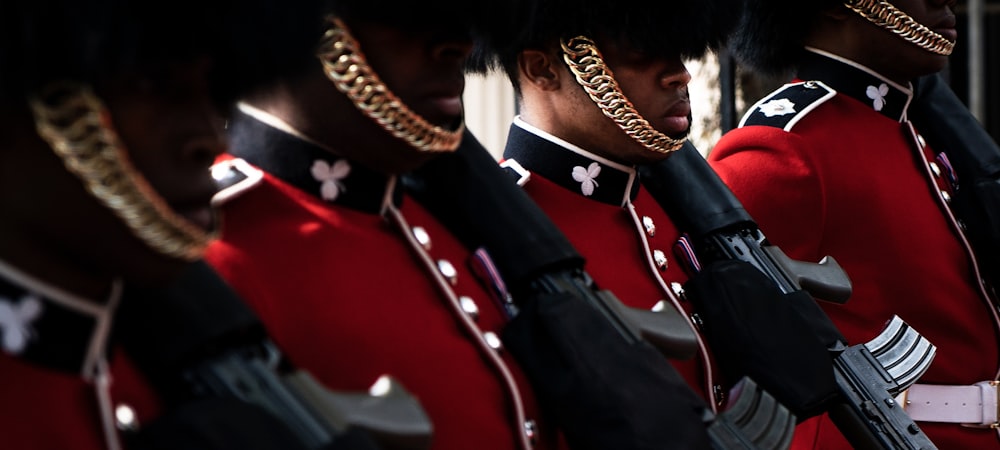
(660, 259)
(935, 169)
(647, 223)
(531, 431)
(448, 270)
(424, 239)
(946, 196)
(125, 418)
(469, 306)
(678, 290)
(493, 340)
(696, 320)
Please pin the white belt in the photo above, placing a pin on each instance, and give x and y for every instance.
(974, 406)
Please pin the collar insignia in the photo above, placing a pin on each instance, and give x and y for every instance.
(309, 167)
(572, 168)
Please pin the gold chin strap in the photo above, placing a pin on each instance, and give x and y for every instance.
(346, 67)
(74, 122)
(887, 16)
(587, 64)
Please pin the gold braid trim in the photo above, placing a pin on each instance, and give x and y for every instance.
(887, 16)
(346, 67)
(587, 64)
(74, 122)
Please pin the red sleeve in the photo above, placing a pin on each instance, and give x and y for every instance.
(773, 173)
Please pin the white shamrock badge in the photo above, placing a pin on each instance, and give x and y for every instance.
(16, 320)
(587, 177)
(331, 177)
(777, 107)
(878, 95)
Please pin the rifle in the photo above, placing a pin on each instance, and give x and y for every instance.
(868, 376)
(197, 339)
(611, 389)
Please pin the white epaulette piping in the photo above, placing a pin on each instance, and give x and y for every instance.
(233, 177)
(802, 97)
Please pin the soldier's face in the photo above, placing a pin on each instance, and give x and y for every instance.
(422, 66)
(657, 88)
(900, 60)
(172, 132)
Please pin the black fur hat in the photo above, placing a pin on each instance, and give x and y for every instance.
(248, 41)
(769, 37)
(665, 27)
(484, 18)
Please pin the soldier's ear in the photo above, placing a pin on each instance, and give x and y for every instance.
(539, 69)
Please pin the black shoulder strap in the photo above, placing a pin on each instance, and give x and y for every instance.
(788, 105)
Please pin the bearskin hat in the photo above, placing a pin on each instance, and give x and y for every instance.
(247, 41)
(770, 35)
(484, 19)
(667, 27)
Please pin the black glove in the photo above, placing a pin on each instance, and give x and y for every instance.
(779, 340)
(602, 391)
(229, 424)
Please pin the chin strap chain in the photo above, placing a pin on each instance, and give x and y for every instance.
(886, 16)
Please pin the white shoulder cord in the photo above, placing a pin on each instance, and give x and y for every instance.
(97, 372)
(102, 387)
(702, 348)
(395, 216)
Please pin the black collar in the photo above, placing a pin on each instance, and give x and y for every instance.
(857, 81)
(52, 328)
(308, 166)
(571, 167)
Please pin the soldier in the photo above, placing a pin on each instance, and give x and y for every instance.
(603, 89)
(352, 277)
(110, 121)
(830, 164)
(355, 278)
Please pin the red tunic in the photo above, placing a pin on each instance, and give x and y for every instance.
(45, 402)
(610, 227)
(350, 295)
(45, 409)
(840, 173)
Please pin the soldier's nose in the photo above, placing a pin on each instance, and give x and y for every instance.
(677, 79)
